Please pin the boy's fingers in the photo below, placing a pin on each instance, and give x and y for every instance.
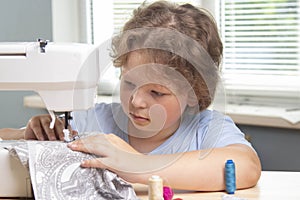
(34, 131)
(93, 163)
(59, 126)
(78, 146)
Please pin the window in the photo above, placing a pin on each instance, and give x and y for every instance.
(261, 63)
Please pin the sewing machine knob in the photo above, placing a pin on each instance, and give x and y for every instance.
(43, 44)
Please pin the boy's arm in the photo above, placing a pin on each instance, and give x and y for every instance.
(191, 171)
(11, 134)
(201, 170)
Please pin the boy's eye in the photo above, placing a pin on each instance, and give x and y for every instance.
(156, 93)
(129, 84)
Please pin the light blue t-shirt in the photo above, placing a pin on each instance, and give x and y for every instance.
(205, 130)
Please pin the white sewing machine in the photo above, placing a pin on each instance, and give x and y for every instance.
(66, 78)
(64, 75)
(15, 178)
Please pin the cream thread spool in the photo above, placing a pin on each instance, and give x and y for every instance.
(155, 188)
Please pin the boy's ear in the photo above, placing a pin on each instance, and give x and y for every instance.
(192, 99)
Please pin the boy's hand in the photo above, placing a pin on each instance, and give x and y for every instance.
(111, 152)
(38, 128)
(116, 155)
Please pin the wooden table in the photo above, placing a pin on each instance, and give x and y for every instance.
(273, 185)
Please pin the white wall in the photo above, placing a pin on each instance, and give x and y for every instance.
(212, 6)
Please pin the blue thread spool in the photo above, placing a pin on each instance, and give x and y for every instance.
(230, 176)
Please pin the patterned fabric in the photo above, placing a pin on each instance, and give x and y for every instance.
(56, 173)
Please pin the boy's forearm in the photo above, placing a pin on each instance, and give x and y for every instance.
(11, 134)
(192, 171)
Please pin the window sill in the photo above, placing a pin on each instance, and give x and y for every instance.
(264, 116)
(241, 114)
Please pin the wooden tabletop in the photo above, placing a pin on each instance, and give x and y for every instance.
(273, 185)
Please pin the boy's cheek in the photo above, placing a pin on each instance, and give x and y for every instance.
(125, 102)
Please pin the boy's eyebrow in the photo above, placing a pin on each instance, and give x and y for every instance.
(139, 80)
(126, 74)
(159, 86)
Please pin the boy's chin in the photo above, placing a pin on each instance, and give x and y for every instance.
(145, 130)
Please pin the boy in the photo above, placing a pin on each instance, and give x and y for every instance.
(169, 57)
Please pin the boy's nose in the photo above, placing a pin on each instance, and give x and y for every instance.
(138, 98)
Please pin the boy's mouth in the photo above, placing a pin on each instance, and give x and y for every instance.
(139, 119)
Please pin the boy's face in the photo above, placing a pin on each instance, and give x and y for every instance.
(151, 101)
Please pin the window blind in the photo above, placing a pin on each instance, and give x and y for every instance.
(261, 50)
(122, 10)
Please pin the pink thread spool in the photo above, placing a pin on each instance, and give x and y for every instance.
(168, 193)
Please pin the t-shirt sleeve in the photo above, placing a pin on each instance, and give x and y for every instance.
(88, 120)
(219, 131)
(101, 118)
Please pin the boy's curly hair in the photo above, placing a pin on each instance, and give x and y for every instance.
(201, 48)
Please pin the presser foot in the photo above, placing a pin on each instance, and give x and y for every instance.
(68, 137)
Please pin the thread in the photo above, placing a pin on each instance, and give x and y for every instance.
(167, 193)
(230, 177)
(155, 189)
